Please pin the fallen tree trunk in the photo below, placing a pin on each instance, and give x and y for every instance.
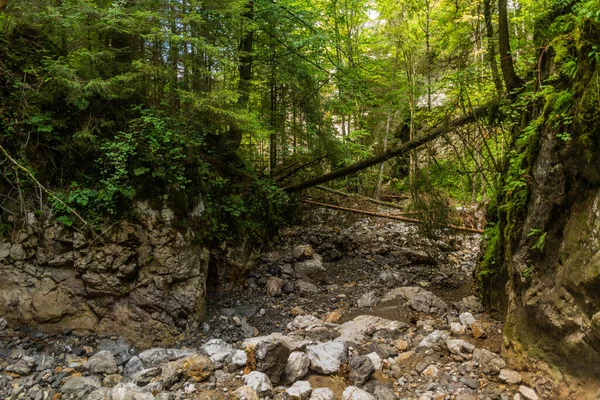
(401, 149)
(388, 216)
(358, 196)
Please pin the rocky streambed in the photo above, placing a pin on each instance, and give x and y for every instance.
(374, 311)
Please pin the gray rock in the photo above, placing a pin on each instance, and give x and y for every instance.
(458, 329)
(460, 347)
(145, 376)
(417, 256)
(354, 393)
(311, 269)
(271, 357)
(472, 383)
(133, 365)
(368, 300)
(528, 393)
(383, 392)
(259, 382)
(361, 370)
(466, 318)
(303, 251)
(322, 394)
(246, 311)
(376, 360)
(245, 393)
(387, 279)
(3, 324)
(218, 350)
(306, 287)
(434, 339)
(23, 366)
(489, 363)
(80, 385)
(510, 377)
(418, 299)
(129, 391)
(299, 390)
(274, 286)
(157, 356)
(326, 358)
(102, 362)
(305, 322)
(469, 304)
(296, 367)
(239, 359)
(359, 328)
(246, 329)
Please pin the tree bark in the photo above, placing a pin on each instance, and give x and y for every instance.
(233, 138)
(425, 137)
(491, 45)
(511, 80)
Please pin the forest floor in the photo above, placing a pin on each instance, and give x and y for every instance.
(368, 309)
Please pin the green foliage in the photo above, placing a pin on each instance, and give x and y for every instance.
(541, 239)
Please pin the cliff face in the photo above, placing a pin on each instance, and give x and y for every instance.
(144, 281)
(544, 262)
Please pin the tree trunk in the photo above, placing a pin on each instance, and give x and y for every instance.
(401, 149)
(385, 140)
(233, 138)
(511, 80)
(491, 45)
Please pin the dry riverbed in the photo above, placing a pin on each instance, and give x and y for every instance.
(372, 311)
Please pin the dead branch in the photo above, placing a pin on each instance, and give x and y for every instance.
(47, 191)
(388, 216)
(358, 196)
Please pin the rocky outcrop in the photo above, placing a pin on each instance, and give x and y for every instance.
(144, 281)
(547, 249)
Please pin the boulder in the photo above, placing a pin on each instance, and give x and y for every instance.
(197, 367)
(528, 393)
(296, 367)
(311, 269)
(275, 286)
(459, 347)
(510, 377)
(466, 318)
(271, 358)
(434, 339)
(245, 393)
(300, 390)
(356, 331)
(361, 370)
(102, 362)
(489, 363)
(418, 299)
(218, 350)
(239, 359)
(79, 386)
(306, 287)
(259, 382)
(354, 393)
(368, 300)
(302, 252)
(305, 322)
(326, 358)
(322, 394)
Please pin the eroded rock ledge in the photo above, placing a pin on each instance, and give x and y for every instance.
(145, 281)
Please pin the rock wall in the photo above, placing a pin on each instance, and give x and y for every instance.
(549, 248)
(145, 281)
